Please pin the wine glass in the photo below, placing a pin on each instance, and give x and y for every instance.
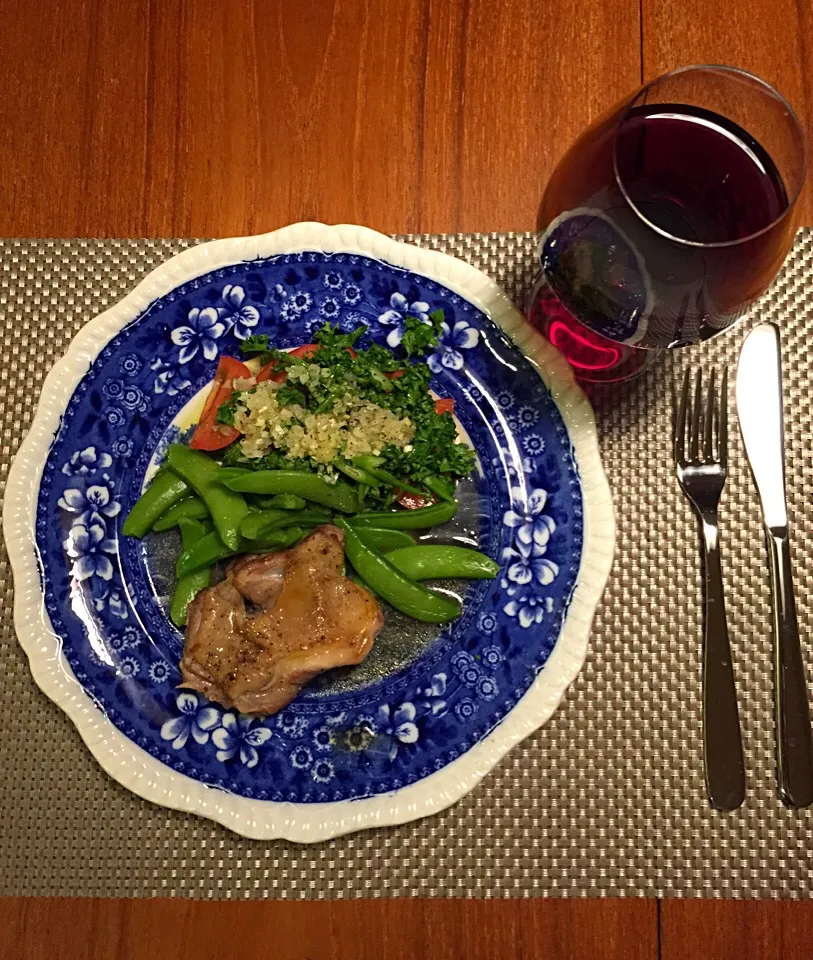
(666, 219)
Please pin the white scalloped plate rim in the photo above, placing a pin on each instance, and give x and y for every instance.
(141, 773)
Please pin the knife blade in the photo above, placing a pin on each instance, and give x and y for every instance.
(759, 410)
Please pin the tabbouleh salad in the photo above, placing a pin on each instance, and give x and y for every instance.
(323, 405)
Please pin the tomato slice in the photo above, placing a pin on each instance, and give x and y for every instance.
(305, 351)
(394, 374)
(444, 405)
(413, 501)
(209, 435)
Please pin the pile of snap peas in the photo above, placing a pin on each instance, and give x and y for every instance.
(225, 511)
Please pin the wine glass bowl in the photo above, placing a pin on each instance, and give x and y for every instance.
(667, 218)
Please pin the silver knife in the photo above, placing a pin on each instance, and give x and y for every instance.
(759, 408)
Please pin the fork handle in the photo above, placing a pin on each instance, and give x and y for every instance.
(722, 740)
(794, 742)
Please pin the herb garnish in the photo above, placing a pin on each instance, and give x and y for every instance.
(377, 375)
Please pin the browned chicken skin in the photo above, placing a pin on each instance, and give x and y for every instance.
(308, 618)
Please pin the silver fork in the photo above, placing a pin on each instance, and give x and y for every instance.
(700, 445)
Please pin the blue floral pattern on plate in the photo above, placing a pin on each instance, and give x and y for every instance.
(102, 591)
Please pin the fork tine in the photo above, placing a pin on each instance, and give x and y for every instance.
(679, 409)
(711, 416)
(697, 416)
(722, 441)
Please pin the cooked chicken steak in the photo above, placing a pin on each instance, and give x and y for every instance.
(305, 618)
(259, 577)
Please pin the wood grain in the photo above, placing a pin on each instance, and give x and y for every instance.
(771, 38)
(736, 930)
(62, 929)
(204, 118)
(65, 929)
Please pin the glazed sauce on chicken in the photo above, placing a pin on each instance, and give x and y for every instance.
(275, 622)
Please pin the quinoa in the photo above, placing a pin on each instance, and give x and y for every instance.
(353, 427)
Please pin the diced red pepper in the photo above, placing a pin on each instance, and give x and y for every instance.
(444, 405)
(413, 501)
(208, 434)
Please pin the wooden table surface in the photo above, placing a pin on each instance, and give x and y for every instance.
(196, 118)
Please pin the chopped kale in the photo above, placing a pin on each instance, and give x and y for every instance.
(419, 336)
(330, 337)
(283, 360)
(433, 451)
(225, 412)
(288, 394)
(255, 344)
(275, 460)
(375, 374)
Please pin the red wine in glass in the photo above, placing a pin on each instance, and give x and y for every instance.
(665, 221)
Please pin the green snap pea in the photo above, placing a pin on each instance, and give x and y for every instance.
(165, 489)
(210, 549)
(226, 506)
(260, 503)
(189, 586)
(338, 496)
(283, 501)
(442, 488)
(418, 519)
(281, 538)
(356, 473)
(203, 553)
(253, 524)
(229, 473)
(190, 508)
(429, 561)
(372, 465)
(257, 524)
(382, 539)
(388, 582)
(303, 518)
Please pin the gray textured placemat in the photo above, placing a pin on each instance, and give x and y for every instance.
(607, 799)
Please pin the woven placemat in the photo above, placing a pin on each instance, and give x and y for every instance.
(607, 799)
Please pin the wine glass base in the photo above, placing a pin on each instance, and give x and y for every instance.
(594, 358)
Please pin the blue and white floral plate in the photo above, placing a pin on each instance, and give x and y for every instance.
(431, 711)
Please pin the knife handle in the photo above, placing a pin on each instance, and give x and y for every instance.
(794, 740)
